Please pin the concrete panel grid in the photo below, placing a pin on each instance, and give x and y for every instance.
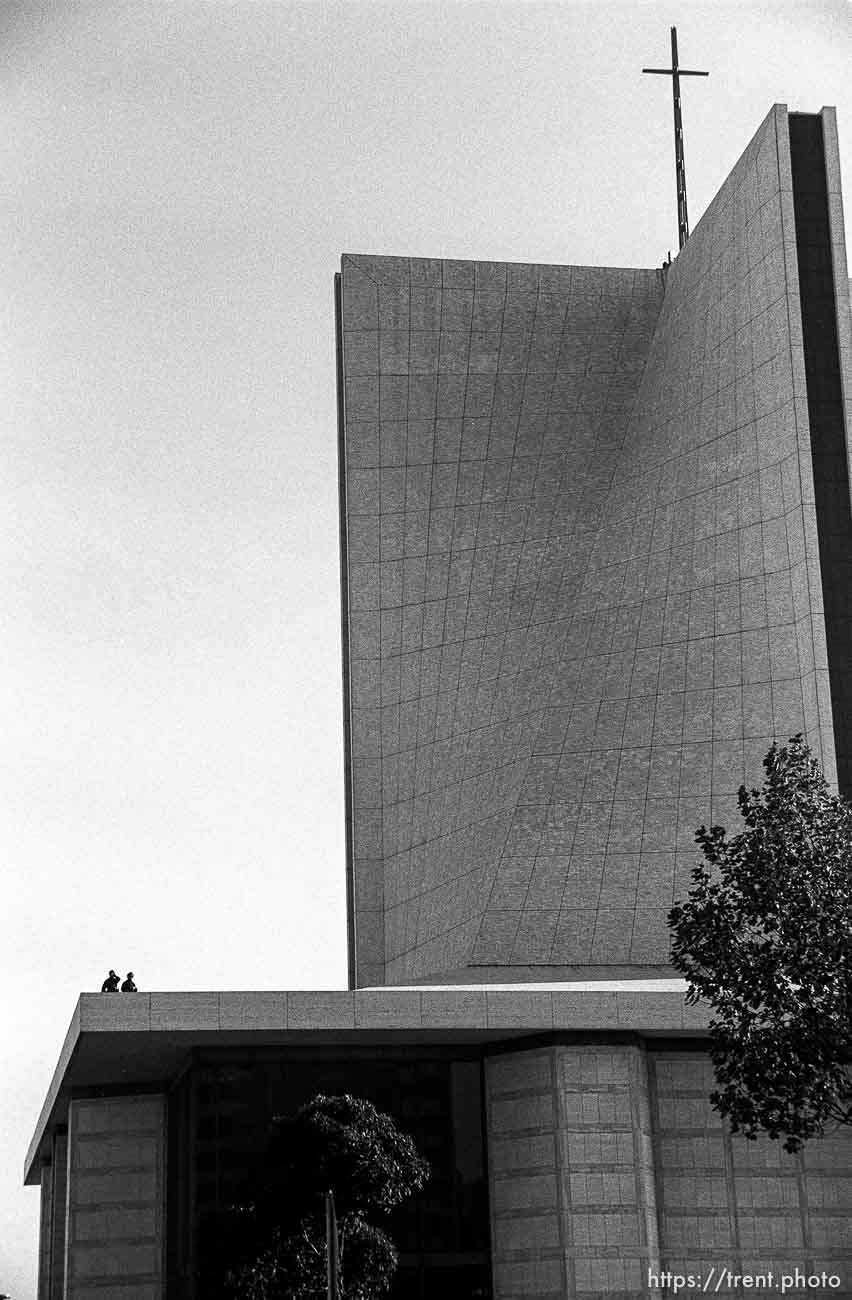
(747, 1207)
(462, 561)
(572, 1185)
(54, 1181)
(607, 1164)
(116, 1199)
(584, 588)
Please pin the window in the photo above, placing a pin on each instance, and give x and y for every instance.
(221, 1118)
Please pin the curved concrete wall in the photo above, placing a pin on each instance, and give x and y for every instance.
(583, 589)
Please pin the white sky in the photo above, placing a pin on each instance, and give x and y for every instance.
(177, 182)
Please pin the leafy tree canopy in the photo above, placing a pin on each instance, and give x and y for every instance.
(345, 1145)
(765, 937)
(292, 1263)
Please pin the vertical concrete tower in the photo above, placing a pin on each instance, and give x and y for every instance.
(596, 557)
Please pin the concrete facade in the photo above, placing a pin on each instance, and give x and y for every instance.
(609, 1168)
(103, 1202)
(54, 1201)
(605, 1158)
(583, 580)
(597, 554)
(573, 1197)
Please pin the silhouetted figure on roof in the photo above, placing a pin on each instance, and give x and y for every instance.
(110, 984)
(128, 986)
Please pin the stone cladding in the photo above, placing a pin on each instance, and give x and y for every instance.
(582, 586)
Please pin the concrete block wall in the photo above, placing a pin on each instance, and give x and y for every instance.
(607, 1162)
(524, 1176)
(51, 1253)
(59, 1216)
(747, 1206)
(573, 1198)
(44, 1232)
(116, 1199)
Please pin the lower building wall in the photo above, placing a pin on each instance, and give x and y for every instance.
(573, 1194)
(45, 1214)
(610, 1172)
(745, 1208)
(116, 1199)
(54, 1207)
(610, 1176)
(45, 1233)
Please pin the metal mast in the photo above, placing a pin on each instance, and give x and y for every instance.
(676, 72)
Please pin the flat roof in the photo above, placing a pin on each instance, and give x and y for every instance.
(118, 1040)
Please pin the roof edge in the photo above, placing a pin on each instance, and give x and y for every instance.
(605, 1006)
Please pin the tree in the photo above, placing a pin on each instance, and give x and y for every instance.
(345, 1145)
(765, 937)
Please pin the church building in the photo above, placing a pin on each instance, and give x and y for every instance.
(596, 544)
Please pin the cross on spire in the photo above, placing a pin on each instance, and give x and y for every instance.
(676, 72)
